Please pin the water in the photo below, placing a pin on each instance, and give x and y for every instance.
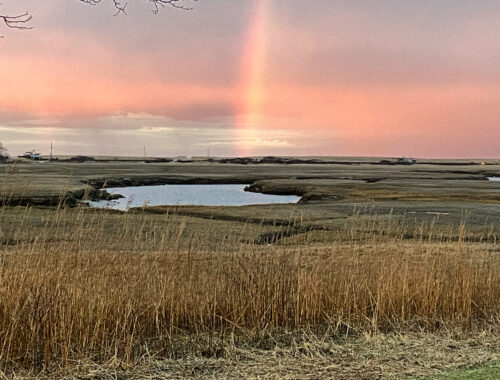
(494, 179)
(200, 195)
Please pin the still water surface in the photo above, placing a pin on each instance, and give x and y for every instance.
(200, 195)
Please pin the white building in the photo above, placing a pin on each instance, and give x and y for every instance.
(33, 155)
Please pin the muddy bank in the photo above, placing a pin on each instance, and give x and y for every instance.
(396, 161)
(100, 183)
(308, 194)
(275, 189)
(68, 199)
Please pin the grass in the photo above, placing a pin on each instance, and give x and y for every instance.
(392, 278)
(484, 373)
(116, 288)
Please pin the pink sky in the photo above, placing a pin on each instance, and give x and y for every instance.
(260, 77)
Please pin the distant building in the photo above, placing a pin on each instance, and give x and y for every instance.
(182, 159)
(33, 155)
(406, 161)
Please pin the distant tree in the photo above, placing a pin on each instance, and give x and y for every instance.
(22, 20)
(3, 152)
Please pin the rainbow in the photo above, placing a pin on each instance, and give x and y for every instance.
(252, 81)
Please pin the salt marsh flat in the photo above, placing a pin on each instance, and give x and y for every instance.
(375, 259)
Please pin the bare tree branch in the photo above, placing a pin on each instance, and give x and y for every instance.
(173, 3)
(121, 5)
(21, 21)
(17, 22)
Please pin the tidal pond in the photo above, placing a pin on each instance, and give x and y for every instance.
(199, 195)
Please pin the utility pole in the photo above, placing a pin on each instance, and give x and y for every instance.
(144, 152)
(51, 149)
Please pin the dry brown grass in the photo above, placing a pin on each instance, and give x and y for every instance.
(115, 288)
(306, 356)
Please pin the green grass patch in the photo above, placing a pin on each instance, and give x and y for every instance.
(483, 373)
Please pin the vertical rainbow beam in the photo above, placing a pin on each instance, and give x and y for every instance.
(252, 83)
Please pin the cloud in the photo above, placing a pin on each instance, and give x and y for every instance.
(351, 77)
(251, 143)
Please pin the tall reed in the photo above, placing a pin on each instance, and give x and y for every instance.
(111, 286)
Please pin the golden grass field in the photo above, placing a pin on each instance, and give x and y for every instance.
(114, 288)
(198, 292)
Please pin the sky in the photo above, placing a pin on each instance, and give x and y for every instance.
(254, 77)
